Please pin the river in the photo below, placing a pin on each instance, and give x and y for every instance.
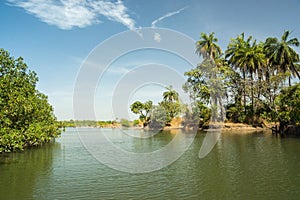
(240, 166)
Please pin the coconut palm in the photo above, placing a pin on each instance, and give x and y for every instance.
(252, 59)
(207, 47)
(234, 48)
(282, 55)
(209, 50)
(235, 44)
(170, 94)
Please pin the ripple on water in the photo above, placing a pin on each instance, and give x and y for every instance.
(244, 166)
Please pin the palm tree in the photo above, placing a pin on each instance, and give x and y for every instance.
(207, 47)
(170, 95)
(236, 45)
(282, 55)
(249, 58)
(252, 59)
(209, 50)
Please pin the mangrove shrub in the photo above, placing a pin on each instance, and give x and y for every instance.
(26, 117)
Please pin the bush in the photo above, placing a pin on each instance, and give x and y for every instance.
(125, 123)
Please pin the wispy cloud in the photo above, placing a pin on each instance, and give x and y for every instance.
(119, 71)
(157, 36)
(166, 16)
(67, 14)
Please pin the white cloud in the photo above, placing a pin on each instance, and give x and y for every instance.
(157, 37)
(114, 11)
(67, 14)
(170, 14)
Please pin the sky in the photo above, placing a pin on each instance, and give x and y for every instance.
(58, 39)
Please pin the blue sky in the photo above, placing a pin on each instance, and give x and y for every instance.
(56, 36)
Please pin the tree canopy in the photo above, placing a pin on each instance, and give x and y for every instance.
(158, 116)
(26, 117)
(251, 75)
(143, 109)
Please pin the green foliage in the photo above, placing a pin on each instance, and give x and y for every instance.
(87, 123)
(103, 123)
(136, 122)
(234, 113)
(207, 47)
(158, 117)
(143, 109)
(250, 76)
(125, 123)
(26, 117)
(84, 123)
(170, 95)
(282, 55)
(288, 102)
(201, 112)
(170, 103)
(172, 109)
(207, 83)
(70, 123)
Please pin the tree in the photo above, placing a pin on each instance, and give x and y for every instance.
(212, 86)
(252, 59)
(250, 76)
(234, 48)
(170, 103)
(207, 47)
(199, 114)
(172, 109)
(143, 109)
(288, 105)
(26, 117)
(158, 117)
(170, 95)
(282, 55)
(207, 83)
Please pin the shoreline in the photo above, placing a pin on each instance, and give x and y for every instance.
(225, 127)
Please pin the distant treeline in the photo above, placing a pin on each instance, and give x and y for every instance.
(101, 124)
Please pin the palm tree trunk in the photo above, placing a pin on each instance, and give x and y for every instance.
(244, 85)
(252, 99)
(297, 73)
(259, 84)
(222, 109)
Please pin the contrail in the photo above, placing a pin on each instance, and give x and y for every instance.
(166, 16)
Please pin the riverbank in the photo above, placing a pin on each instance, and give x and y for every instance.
(223, 126)
(178, 123)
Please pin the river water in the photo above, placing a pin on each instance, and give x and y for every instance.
(240, 166)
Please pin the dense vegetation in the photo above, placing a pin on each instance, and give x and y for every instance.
(251, 82)
(250, 79)
(158, 116)
(26, 117)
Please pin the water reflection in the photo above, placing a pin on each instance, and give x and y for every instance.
(241, 166)
(22, 172)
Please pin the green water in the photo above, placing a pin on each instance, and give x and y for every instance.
(241, 166)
